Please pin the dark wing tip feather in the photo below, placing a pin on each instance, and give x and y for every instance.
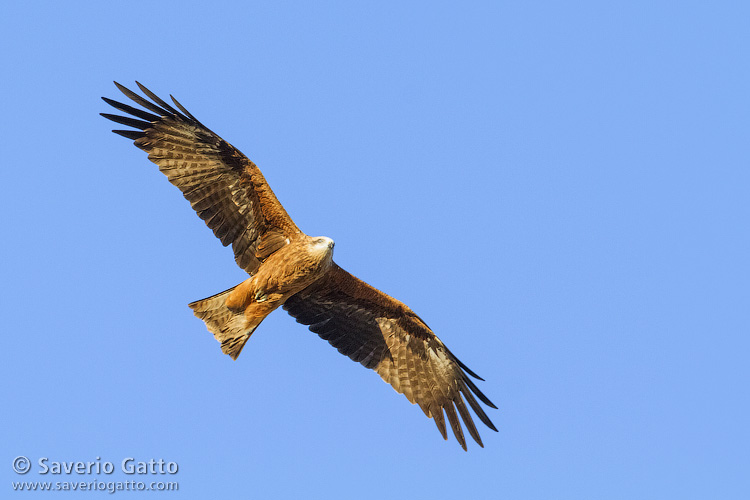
(464, 367)
(484, 399)
(476, 407)
(187, 113)
(130, 134)
(125, 120)
(143, 102)
(450, 411)
(437, 416)
(160, 101)
(131, 110)
(468, 421)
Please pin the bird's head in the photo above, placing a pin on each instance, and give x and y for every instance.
(323, 247)
(323, 243)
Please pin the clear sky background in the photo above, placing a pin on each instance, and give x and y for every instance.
(560, 189)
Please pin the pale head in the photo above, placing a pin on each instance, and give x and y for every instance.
(322, 247)
(324, 243)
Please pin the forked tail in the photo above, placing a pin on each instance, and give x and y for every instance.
(231, 328)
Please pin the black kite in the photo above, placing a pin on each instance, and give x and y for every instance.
(290, 269)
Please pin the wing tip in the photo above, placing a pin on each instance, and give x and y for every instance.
(130, 134)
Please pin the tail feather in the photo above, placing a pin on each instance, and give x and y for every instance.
(231, 328)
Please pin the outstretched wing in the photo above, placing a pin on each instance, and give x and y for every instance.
(385, 335)
(223, 186)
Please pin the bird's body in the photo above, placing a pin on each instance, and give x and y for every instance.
(291, 269)
(288, 271)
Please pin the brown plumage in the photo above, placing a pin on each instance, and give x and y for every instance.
(290, 269)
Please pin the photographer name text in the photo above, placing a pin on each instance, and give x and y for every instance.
(129, 465)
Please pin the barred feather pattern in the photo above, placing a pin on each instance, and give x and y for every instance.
(383, 334)
(231, 328)
(225, 188)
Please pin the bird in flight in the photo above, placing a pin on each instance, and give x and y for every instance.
(291, 269)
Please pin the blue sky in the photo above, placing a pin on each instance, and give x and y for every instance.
(560, 189)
